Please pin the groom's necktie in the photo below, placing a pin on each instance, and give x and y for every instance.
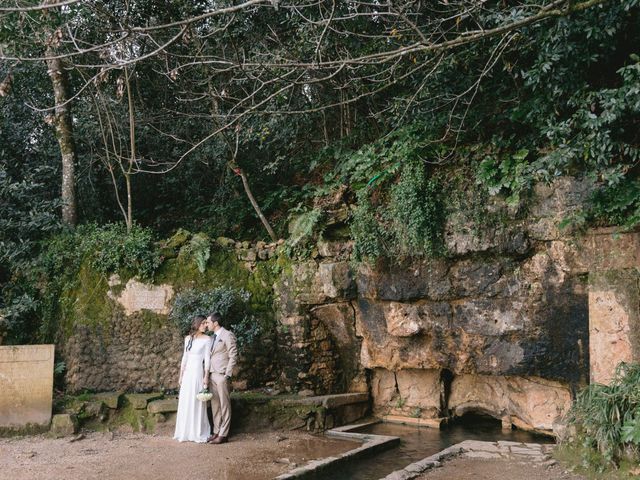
(214, 341)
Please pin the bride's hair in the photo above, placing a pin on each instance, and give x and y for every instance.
(195, 325)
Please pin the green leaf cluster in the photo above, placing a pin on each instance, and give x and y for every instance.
(607, 417)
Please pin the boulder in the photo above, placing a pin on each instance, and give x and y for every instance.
(63, 425)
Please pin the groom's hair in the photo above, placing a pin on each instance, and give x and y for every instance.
(216, 317)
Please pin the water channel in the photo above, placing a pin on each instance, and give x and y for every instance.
(418, 443)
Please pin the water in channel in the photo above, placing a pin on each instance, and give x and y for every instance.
(418, 443)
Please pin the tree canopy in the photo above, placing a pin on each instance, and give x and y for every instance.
(178, 112)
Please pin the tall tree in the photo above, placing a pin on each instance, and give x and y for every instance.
(62, 122)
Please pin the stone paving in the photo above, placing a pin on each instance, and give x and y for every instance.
(515, 451)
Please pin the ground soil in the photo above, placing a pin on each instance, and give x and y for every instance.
(464, 468)
(134, 456)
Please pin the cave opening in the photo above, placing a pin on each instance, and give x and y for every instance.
(476, 421)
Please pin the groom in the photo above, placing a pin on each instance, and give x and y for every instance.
(223, 358)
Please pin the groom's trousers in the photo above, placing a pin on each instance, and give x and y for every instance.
(220, 405)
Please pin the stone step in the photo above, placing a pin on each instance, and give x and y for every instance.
(418, 422)
(110, 399)
(166, 405)
(329, 401)
(139, 401)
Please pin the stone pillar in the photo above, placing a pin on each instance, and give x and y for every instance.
(26, 385)
(614, 321)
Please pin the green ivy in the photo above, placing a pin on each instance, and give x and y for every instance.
(407, 218)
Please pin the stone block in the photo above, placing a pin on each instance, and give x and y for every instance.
(63, 425)
(383, 387)
(139, 401)
(336, 280)
(490, 316)
(403, 320)
(614, 321)
(334, 249)
(111, 400)
(167, 405)
(421, 389)
(93, 409)
(26, 385)
(225, 242)
(411, 280)
(248, 255)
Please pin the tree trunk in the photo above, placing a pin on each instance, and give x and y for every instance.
(132, 151)
(64, 132)
(256, 207)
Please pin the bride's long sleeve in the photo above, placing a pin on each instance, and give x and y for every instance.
(183, 363)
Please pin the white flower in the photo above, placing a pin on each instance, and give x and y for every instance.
(204, 395)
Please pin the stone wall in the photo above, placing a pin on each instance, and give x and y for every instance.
(500, 326)
(130, 344)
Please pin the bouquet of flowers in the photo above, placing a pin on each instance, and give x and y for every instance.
(204, 395)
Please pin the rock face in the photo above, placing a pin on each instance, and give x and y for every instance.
(500, 326)
(529, 403)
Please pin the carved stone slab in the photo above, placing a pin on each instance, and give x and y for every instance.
(138, 296)
(26, 385)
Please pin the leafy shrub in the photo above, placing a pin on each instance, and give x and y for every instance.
(109, 248)
(618, 204)
(231, 303)
(198, 248)
(302, 229)
(607, 417)
(511, 175)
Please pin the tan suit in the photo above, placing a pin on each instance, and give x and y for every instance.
(224, 354)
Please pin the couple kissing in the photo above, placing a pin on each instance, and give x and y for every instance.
(207, 362)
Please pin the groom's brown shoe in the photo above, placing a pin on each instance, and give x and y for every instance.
(212, 438)
(219, 440)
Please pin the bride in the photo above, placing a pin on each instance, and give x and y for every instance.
(191, 422)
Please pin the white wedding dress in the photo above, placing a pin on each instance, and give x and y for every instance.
(192, 424)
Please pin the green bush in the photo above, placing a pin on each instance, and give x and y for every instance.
(231, 303)
(607, 417)
(109, 248)
(31, 301)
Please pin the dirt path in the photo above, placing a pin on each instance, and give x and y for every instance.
(464, 468)
(131, 456)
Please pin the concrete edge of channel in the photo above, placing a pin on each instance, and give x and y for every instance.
(370, 444)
